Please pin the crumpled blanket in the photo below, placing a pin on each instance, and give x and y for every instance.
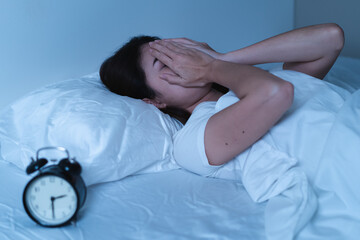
(306, 167)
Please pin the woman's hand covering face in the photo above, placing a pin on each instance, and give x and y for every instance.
(201, 46)
(190, 64)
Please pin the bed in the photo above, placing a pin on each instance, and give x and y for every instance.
(153, 198)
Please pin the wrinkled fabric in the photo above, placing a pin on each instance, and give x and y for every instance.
(111, 136)
(180, 205)
(168, 205)
(283, 166)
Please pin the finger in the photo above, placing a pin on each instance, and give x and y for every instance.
(181, 48)
(173, 46)
(181, 40)
(165, 59)
(188, 46)
(166, 48)
(183, 43)
(172, 78)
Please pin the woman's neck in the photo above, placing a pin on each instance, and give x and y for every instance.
(212, 96)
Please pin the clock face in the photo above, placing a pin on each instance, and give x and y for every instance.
(51, 200)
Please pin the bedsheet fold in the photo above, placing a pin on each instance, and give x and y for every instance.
(337, 178)
(273, 176)
(305, 167)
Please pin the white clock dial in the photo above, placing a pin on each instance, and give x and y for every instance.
(51, 200)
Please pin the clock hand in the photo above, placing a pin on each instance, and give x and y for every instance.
(61, 196)
(52, 207)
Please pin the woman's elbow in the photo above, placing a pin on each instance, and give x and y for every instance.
(289, 93)
(336, 36)
(285, 95)
(279, 95)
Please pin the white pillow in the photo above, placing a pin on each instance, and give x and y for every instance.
(110, 135)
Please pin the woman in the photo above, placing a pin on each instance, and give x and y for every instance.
(177, 75)
(180, 73)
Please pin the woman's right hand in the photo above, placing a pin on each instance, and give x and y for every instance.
(190, 65)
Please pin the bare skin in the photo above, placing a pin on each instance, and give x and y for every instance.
(311, 50)
(264, 97)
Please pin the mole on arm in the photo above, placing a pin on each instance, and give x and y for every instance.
(227, 144)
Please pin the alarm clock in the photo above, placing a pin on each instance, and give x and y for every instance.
(54, 196)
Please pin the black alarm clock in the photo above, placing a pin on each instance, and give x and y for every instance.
(54, 196)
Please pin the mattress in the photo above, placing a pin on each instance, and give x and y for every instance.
(170, 205)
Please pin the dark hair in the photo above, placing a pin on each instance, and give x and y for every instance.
(122, 74)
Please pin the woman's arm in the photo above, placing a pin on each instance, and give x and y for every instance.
(264, 97)
(311, 50)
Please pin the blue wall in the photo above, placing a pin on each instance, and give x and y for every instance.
(43, 41)
(344, 13)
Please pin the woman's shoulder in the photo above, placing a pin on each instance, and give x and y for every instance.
(202, 111)
(226, 100)
(197, 120)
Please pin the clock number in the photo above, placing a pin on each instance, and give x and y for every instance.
(37, 189)
(51, 179)
(43, 182)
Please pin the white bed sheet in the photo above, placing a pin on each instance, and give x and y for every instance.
(174, 204)
(170, 205)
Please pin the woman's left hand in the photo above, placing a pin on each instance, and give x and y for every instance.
(191, 65)
(201, 46)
